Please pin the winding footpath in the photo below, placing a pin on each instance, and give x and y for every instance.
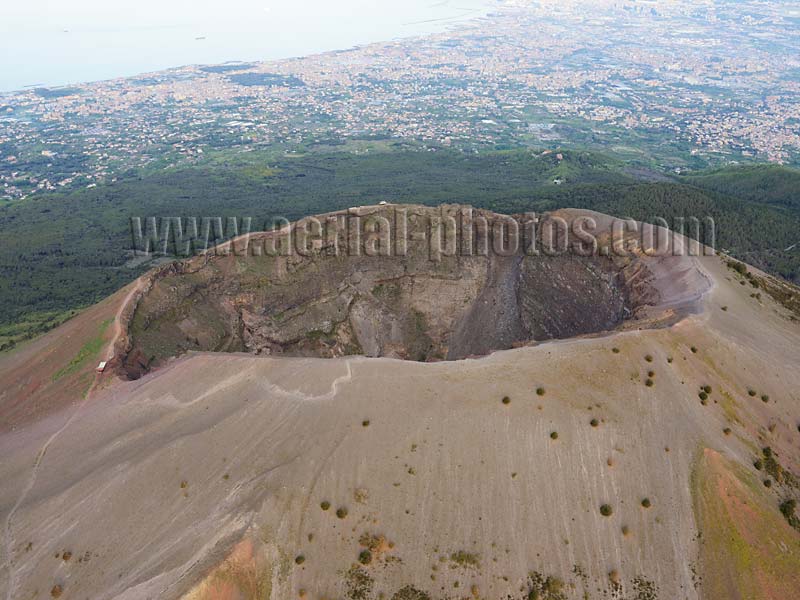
(109, 354)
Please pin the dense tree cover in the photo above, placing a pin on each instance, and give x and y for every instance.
(67, 250)
(763, 184)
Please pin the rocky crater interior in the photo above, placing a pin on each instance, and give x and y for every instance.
(413, 306)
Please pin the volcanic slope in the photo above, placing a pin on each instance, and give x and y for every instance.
(629, 462)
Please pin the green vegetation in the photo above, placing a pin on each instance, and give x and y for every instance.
(646, 503)
(358, 584)
(365, 557)
(545, 588)
(341, 512)
(540, 391)
(299, 560)
(606, 510)
(506, 400)
(787, 509)
(409, 592)
(325, 505)
(87, 352)
(465, 559)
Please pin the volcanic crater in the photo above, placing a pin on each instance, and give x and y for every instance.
(420, 305)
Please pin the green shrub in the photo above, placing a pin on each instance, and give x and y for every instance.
(649, 383)
(694, 349)
(646, 503)
(540, 391)
(465, 559)
(554, 435)
(365, 557)
(341, 512)
(707, 389)
(594, 422)
(606, 510)
(365, 423)
(506, 400)
(727, 431)
(758, 464)
(768, 483)
(299, 559)
(703, 396)
(765, 398)
(751, 393)
(615, 350)
(649, 358)
(325, 505)
(787, 510)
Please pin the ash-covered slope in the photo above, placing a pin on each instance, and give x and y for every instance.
(628, 465)
(406, 282)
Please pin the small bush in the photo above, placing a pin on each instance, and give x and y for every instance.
(707, 389)
(325, 505)
(540, 391)
(787, 510)
(751, 393)
(727, 431)
(765, 398)
(594, 422)
(606, 510)
(646, 503)
(554, 435)
(365, 557)
(758, 464)
(649, 383)
(615, 350)
(66, 556)
(341, 512)
(669, 359)
(299, 559)
(649, 358)
(651, 373)
(365, 423)
(625, 530)
(694, 349)
(768, 483)
(506, 400)
(703, 396)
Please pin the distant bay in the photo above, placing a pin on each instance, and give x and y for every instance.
(76, 47)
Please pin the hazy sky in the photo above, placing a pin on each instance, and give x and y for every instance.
(58, 42)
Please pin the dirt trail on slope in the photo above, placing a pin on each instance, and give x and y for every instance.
(108, 352)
